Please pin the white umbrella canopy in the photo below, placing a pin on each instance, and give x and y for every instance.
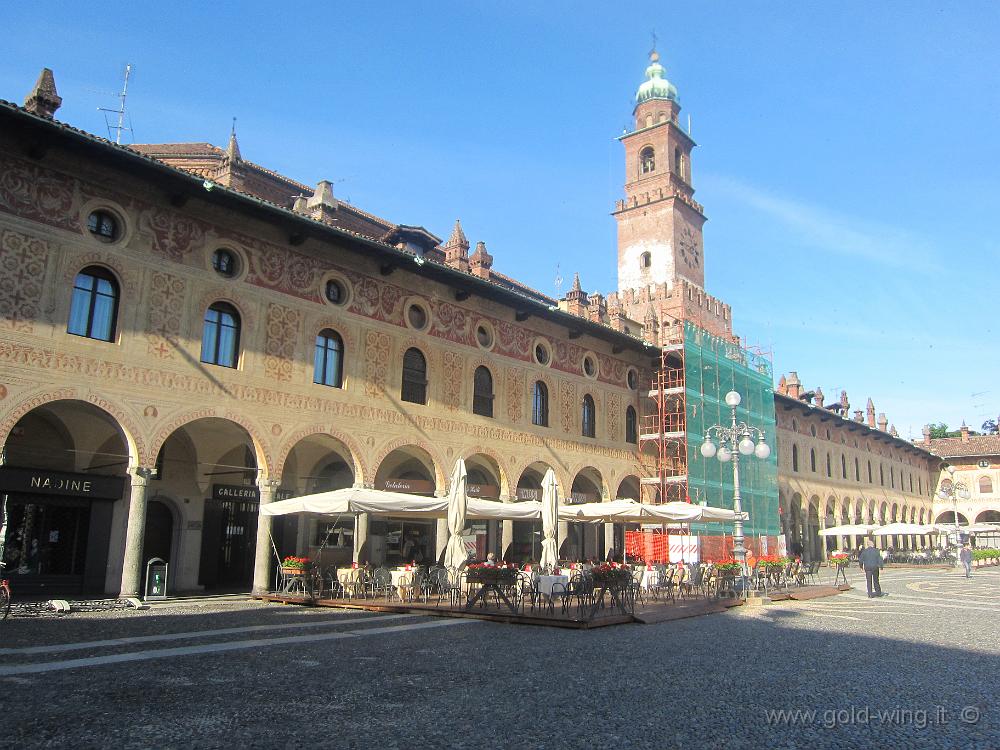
(550, 519)
(904, 529)
(457, 506)
(851, 529)
(629, 511)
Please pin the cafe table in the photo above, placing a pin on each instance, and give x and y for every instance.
(404, 581)
(350, 580)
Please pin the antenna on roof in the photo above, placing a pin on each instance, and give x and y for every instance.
(558, 282)
(120, 111)
(689, 123)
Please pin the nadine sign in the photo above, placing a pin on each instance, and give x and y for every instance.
(38, 482)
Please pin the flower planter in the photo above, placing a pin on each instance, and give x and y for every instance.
(294, 571)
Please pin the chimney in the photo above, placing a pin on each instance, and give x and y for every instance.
(794, 385)
(782, 385)
(965, 432)
(870, 413)
(649, 332)
(859, 416)
(43, 99)
(927, 434)
(845, 405)
(322, 206)
(818, 397)
(576, 299)
(456, 249)
(883, 423)
(481, 261)
(596, 307)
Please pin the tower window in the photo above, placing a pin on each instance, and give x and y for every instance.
(678, 164)
(647, 161)
(645, 260)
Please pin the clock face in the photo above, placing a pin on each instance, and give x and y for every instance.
(687, 243)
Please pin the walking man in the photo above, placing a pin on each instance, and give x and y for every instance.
(871, 562)
(965, 556)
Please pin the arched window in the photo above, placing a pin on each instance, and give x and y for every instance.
(869, 472)
(588, 417)
(678, 163)
(482, 392)
(892, 477)
(647, 161)
(328, 362)
(631, 431)
(93, 311)
(220, 336)
(812, 460)
(414, 387)
(881, 475)
(985, 486)
(911, 483)
(857, 470)
(795, 457)
(829, 466)
(843, 466)
(645, 260)
(540, 405)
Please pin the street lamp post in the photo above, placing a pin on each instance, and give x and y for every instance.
(952, 490)
(734, 441)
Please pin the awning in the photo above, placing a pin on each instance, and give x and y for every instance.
(629, 511)
(853, 529)
(904, 529)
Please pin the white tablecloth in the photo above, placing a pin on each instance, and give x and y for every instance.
(650, 578)
(545, 583)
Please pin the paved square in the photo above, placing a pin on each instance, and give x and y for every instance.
(916, 668)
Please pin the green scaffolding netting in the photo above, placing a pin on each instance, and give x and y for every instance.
(712, 368)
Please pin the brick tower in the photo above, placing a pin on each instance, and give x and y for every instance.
(661, 269)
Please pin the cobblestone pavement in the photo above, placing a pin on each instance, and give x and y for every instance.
(915, 669)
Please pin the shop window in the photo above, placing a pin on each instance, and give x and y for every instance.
(540, 405)
(328, 360)
(220, 337)
(482, 392)
(93, 311)
(414, 388)
(588, 417)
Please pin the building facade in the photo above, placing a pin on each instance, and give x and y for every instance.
(976, 463)
(836, 469)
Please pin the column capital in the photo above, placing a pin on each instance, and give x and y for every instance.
(269, 483)
(139, 476)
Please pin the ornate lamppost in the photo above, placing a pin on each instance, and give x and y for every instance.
(734, 441)
(952, 490)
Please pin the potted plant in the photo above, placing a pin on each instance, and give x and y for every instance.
(610, 573)
(295, 566)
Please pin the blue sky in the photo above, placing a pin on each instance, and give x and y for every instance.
(847, 158)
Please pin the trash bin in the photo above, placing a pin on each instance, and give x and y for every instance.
(156, 579)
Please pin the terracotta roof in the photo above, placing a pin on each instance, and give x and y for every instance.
(509, 282)
(177, 149)
(977, 445)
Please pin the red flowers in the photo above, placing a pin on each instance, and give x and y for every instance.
(298, 563)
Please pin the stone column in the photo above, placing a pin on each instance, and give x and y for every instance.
(506, 535)
(132, 565)
(262, 558)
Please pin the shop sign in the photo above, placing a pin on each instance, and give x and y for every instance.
(526, 493)
(489, 491)
(34, 481)
(421, 486)
(245, 492)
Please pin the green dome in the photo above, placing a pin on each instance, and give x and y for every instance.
(655, 86)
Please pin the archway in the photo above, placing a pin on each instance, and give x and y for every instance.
(795, 530)
(628, 488)
(948, 517)
(158, 537)
(583, 540)
(209, 465)
(316, 463)
(526, 541)
(829, 543)
(486, 480)
(391, 540)
(64, 477)
(812, 541)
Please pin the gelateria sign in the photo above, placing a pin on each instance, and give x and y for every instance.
(245, 492)
(38, 482)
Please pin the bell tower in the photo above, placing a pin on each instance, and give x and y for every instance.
(659, 222)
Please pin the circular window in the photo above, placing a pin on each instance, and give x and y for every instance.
(224, 263)
(484, 335)
(542, 354)
(632, 378)
(984, 464)
(590, 366)
(416, 317)
(334, 292)
(103, 225)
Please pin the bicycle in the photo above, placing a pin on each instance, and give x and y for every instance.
(4, 595)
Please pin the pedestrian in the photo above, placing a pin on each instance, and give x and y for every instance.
(965, 556)
(871, 562)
